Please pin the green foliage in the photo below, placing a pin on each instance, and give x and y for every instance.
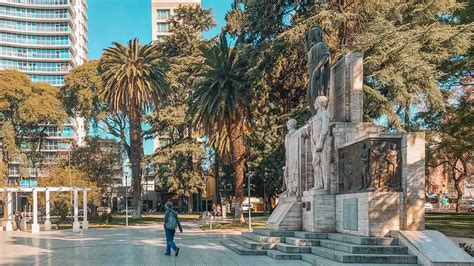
(100, 159)
(27, 110)
(63, 176)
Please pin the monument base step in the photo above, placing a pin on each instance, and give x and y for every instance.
(250, 244)
(363, 240)
(296, 241)
(279, 255)
(275, 233)
(288, 248)
(241, 250)
(345, 257)
(263, 239)
(320, 261)
(362, 249)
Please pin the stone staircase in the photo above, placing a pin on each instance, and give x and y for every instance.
(321, 248)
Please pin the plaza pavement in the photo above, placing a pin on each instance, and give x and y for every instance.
(138, 245)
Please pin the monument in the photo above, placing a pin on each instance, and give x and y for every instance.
(353, 193)
(343, 174)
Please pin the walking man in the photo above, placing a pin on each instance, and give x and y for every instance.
(170, 224)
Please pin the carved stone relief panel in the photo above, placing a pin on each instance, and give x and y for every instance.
(370, 165)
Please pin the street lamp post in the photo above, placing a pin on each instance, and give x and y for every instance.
(250, 207)
(126, 202)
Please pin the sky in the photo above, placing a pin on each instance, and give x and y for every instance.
(122, 20)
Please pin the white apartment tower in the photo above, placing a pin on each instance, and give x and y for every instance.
(45, 39)
(161, 10)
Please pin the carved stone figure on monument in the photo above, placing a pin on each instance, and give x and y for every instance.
(344, 172)
(365, 175)
(392, 165)
(318, 66)
(289, 171)
(318, 134)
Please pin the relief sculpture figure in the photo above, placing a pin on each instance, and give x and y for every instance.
(392, 165)
(291, 163)
(319, 131)
(318, 66)
(365, 173)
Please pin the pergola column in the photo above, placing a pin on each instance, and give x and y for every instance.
(9, 211)
(47, 224)
(76, 227)
(85, 223)
(35, 228)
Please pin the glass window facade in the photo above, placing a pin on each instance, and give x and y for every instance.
(40, 2)
(33, 39)
(31, 66)
(34, 52)
(34, 13)
(163, 13)
(34, 26)
(55, 80)
(162, 27)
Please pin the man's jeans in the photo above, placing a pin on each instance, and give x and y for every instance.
(169, 240)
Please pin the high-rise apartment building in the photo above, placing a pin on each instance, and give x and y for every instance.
(161, 10)
(45, 39)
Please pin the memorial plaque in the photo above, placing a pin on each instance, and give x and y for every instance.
(370, 165)
(350, 213)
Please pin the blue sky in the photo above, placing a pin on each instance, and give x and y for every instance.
(122, 20)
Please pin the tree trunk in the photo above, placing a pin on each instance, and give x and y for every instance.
(237, 151)
(136, 147)
(217, 193)
(190, 204)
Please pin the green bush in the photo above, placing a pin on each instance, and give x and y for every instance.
(106, 218)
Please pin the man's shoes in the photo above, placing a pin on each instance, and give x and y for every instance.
(168, 254)
(176, 252)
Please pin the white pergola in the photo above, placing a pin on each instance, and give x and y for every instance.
(35, 228)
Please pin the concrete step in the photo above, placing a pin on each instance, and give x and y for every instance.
(362, 240)
(279, 255)
(287, 248)
(270, 232)
(310, 235)
(263, 239)
(320, 261)
(362, 249)
(345, 257)
(250, 244)
(302, 242)
(241, 250)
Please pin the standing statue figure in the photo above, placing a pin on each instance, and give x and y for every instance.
(365, 171)
(288, 171)
(318, 66)
(319, 132)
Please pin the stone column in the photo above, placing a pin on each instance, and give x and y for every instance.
(9, 211)
(35, 228)
(85, 223)
(76, 227)
(47, 224)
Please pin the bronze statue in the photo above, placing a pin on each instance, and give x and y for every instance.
(318, 66)
(365, 175)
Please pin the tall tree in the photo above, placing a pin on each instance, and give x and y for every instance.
(27, 110)
(133, 83)
(178, 160)
(221, 104)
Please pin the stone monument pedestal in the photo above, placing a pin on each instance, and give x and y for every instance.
(287, 216)
(319, 211)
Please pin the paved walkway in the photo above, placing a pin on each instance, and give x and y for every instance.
(143, 245)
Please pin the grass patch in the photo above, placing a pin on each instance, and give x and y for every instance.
(451, 224)
(119, 221)
(238, 227)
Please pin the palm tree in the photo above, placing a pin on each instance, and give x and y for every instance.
(220, 106)
(133, 83)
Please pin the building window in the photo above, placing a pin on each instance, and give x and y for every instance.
(162, 27)
(163, 13)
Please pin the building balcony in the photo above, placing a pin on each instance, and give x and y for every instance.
(34, 19)
(38, 3)
(22, 58)
(50, 32)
